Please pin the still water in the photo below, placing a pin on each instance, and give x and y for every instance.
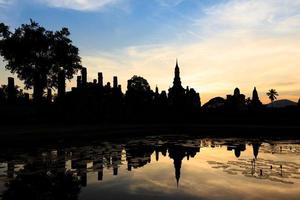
(160, 167)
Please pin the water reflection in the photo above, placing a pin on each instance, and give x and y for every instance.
(73, 172)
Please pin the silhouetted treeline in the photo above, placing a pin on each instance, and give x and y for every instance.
(98, 103)
(45, 59)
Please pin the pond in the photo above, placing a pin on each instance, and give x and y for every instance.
(157, 167)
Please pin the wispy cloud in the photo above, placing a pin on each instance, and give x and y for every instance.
(259, 17)
(5, 10)
(243, 44)
(5, 3)
(169, 3)
(81, 5)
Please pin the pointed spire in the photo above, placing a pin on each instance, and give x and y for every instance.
(177, 82)
(255, 97)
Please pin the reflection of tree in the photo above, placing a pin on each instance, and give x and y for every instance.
(238, 148)
(36, 182)
(138, 155)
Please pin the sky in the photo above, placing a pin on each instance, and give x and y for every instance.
(220, 44)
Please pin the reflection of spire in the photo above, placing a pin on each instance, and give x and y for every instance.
(177, 154)
(255, 149)
(177, 165)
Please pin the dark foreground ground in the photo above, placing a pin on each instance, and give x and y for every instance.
(32, 135)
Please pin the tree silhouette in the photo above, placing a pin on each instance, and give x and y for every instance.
(272, 94)
(138, 95)
(38, 55)
(138, 89)
(138, 84)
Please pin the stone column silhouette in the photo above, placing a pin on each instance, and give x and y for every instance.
(128, 84)
(84, 76)
(78, 81)
(38, 89)
(100, 79)
(11, 91)
(49, 95)
(115, 82)
(2, 96)
(61, 84)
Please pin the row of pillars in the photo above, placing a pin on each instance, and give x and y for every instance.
(82, 80)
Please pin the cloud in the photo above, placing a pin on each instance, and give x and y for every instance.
(259, 17)
(213, 67)
(236, 43)
(5, 3)
(240, 44)
(169, 3)
(81, 5)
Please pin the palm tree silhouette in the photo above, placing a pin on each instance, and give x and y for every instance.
(272, 94)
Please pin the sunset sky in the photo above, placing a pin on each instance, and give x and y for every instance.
(220, 44)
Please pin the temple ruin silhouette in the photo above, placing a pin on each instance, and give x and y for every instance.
(98, 102)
